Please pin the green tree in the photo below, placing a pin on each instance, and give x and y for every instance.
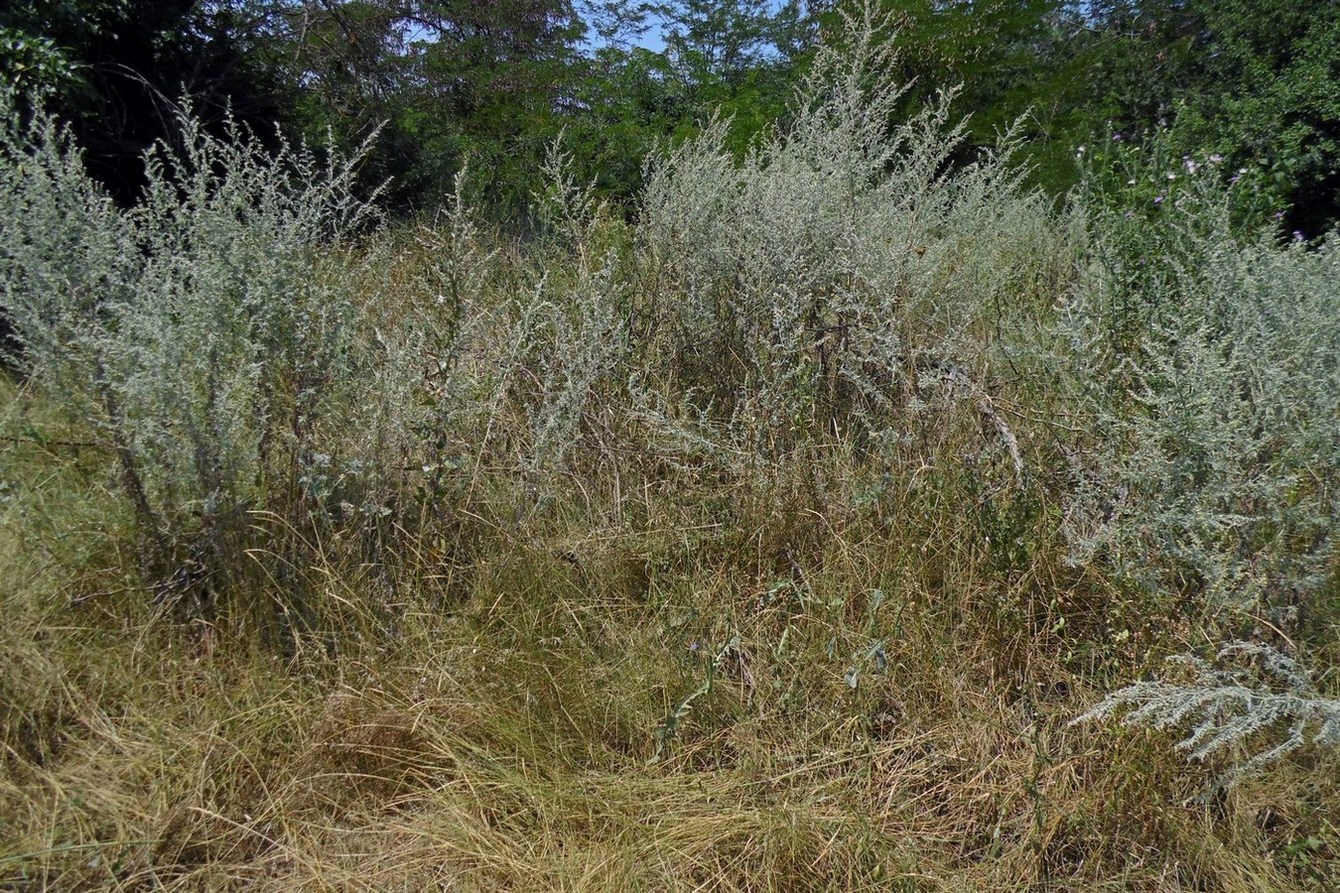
(445, 79)
(1007, 60)
(627, 102)
(114, 71)
(1252, 83)
(735, 60)
(710, 41)
(1269, 102)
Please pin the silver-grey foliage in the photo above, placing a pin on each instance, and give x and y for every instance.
(1253, 696)
(1210, 366)
(517, 366)
(195, 329)
(1213, 370)
(813, 283)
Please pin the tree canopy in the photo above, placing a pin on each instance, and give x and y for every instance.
(444, 83)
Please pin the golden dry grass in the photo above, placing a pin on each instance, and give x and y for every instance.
(499, 731)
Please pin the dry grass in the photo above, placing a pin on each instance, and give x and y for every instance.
(499, 730)
(733, 550)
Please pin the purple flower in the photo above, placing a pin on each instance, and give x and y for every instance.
(1298, 235)
(1158, 199)
(1116, 137)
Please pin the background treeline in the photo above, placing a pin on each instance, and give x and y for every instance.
(1255, 84)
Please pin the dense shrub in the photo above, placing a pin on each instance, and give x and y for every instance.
(841, 328)
(843, 267)
(1212, 368)
(201, 333)
(1209, 365)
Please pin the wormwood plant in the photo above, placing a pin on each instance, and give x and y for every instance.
(1250, 694)
(1211, 364)
(1213, 367)
(519, 360)
(194, 332)
(845, 261)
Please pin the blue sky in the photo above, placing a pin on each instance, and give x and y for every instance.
(654, 39)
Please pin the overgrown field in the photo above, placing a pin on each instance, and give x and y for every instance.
(851, 520)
